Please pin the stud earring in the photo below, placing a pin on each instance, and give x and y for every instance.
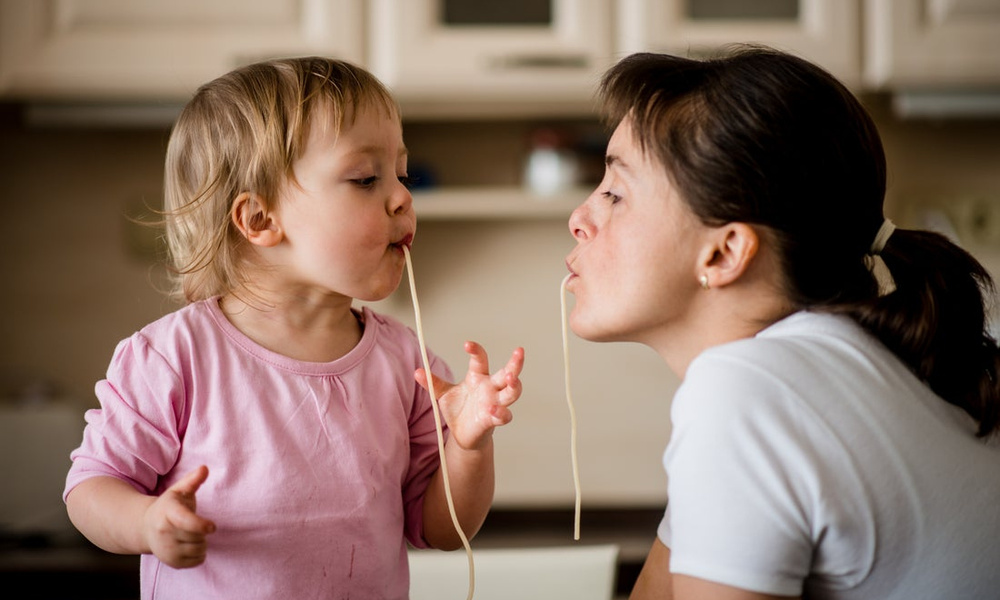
(703, 280)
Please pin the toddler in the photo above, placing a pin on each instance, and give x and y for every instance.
(269, 439)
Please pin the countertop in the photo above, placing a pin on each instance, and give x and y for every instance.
(70, 567)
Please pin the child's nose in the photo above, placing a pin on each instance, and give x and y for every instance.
(401, 200)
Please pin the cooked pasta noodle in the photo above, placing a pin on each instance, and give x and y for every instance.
(437, 422)
(572, 411)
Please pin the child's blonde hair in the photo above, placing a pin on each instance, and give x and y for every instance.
(241, 133)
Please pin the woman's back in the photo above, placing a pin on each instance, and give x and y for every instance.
(829, 462)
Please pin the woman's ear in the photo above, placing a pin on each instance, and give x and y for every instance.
(250, 215)
(729, 257)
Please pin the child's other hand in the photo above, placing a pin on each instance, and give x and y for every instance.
(173, 531)
(480, 403)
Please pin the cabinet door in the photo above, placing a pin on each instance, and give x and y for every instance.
(149, 49)
(932, 43)
(486, 51)
(826, 32)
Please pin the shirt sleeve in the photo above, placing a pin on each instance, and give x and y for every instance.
(424, 456)
(741, 500)
(135, 434)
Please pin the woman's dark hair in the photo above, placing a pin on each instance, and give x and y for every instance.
(762, 137)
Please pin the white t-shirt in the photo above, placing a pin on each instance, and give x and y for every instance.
(809, 460)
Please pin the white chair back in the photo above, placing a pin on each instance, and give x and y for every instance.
(584, 572)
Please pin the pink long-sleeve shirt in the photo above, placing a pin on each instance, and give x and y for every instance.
(317, 471)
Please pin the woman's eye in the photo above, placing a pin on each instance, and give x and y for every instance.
(614, 198)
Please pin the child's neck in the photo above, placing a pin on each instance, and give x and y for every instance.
(303, 329)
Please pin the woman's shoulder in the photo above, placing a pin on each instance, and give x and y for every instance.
(797, 338)
(794, 356)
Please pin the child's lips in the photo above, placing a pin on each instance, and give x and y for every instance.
(406, 241)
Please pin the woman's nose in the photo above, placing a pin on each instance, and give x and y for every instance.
(580, 223)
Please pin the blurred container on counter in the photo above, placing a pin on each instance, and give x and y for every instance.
(552, 165)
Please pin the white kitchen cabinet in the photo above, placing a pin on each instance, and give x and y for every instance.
(823, 31)
(150, 49)
(932, 43)
(428, 51)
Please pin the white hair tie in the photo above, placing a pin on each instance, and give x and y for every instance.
(877, 266)
(882, 237)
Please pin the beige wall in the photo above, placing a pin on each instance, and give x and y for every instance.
(75, 285)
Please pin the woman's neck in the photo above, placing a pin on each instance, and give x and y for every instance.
(725, 315)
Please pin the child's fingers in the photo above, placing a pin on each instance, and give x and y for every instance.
(191, 528)
(182, 514)
(511, 391)
(501, 416)
(479, 362)
(516, 362)
(188, 525)
(190, 554)
(512, 368)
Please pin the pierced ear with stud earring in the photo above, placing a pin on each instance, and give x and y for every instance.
(703, 280)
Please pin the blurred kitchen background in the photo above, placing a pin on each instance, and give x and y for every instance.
(499, 116)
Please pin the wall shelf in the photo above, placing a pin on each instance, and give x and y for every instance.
(489, 203)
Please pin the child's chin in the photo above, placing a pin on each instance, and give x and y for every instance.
(373, 297)
(380, 294)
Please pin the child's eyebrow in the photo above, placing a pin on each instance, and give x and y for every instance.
(375, 149)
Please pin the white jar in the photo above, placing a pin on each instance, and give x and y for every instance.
(551, 167)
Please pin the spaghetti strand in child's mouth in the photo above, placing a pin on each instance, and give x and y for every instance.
(437, 419)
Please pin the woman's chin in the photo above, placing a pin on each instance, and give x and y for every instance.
(594, 331)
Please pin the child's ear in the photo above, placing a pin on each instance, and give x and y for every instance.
(733, 249)
(250, 215)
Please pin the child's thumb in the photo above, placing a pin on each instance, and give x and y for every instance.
(190, 483)
(440, 385)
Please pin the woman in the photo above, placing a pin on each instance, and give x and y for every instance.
(839, 388)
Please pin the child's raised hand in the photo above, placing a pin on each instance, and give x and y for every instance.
(481, 402)
(172, 529)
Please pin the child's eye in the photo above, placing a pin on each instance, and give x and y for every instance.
(365, 182)
(614, 198)
(408, 181)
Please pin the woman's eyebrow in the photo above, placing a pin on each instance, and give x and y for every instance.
(614, 161)
(611, 160)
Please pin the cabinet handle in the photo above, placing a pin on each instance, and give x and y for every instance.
(540, 61)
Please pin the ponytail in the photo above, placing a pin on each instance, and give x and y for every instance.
(936, 321)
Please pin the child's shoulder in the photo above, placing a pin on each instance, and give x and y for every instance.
(195, 314)
(179, 327)
(399, 339)
(387, 325)
(171, 338)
